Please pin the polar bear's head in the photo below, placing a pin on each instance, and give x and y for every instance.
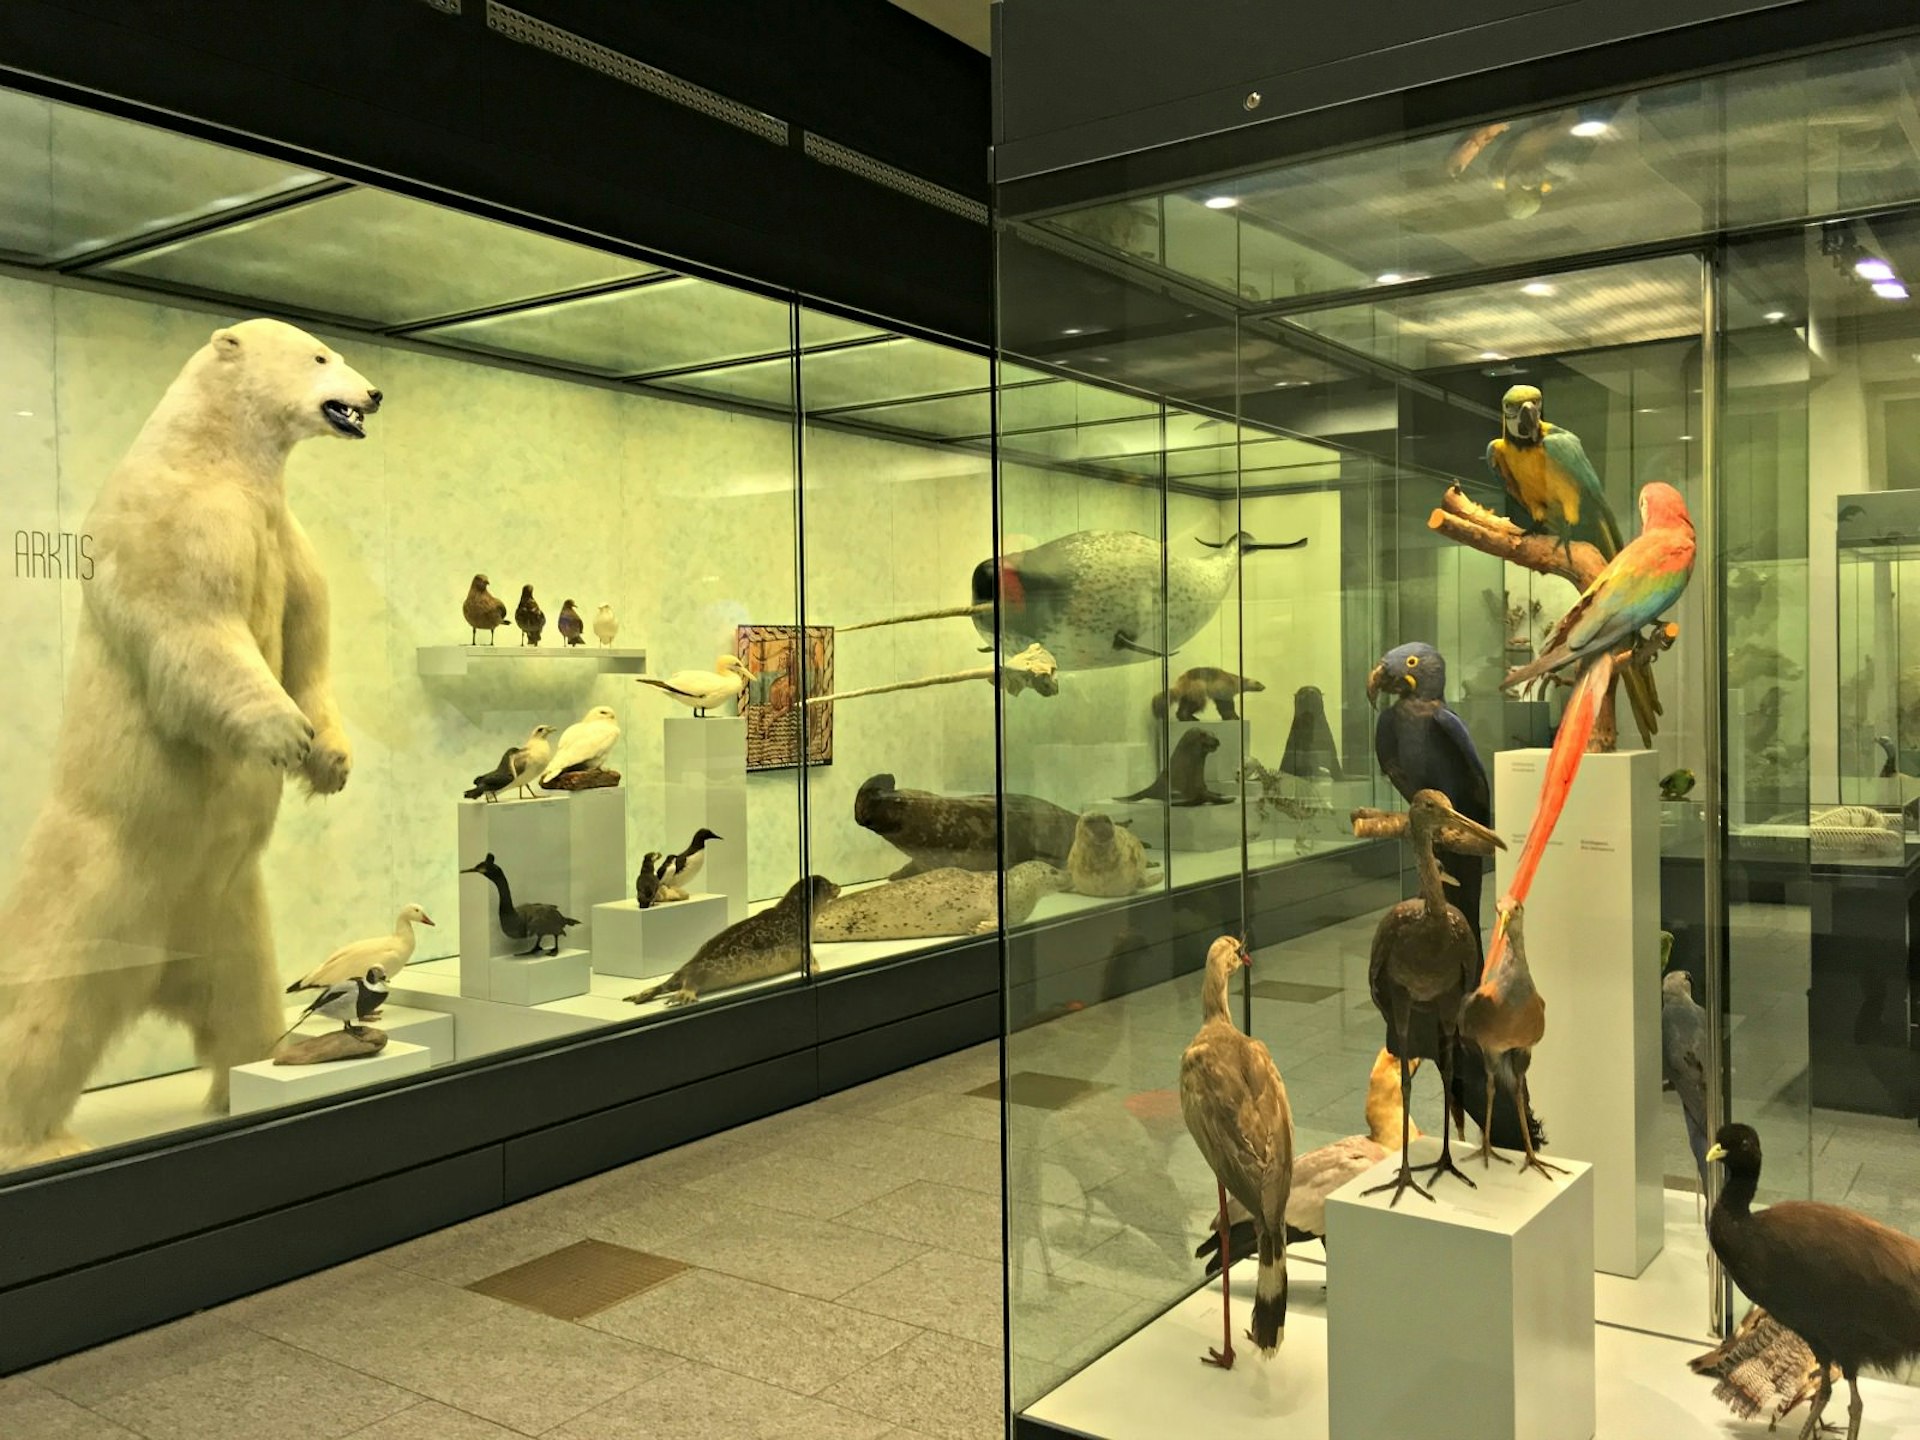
(281, 378)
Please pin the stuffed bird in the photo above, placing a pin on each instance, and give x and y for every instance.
(570, 625)
(1546, 470)
(584, 744)
(1683, 1051)
(704, 690)
(605, 627)
(528, 615)
(390, 952)
(1639, 585)
(482, 610)
(519, 767)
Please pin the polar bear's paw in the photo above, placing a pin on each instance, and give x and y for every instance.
(55, 1147)
(277, 733)
(328, 764)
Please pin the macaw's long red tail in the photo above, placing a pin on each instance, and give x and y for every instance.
(1563, 764)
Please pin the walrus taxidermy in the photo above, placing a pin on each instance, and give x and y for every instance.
(936, 831)
(1184, 780)
(1202, 686)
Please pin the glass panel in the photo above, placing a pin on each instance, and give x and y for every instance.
(900, 783)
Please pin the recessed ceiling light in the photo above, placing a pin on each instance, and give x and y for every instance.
(1890, 290)
(1491, 355)
(1587, 129)
(1646, 410)
(1686, 437)
(1073, 330)
(1220, 202)
(1774, 317)
(1872, 268)
(1536, 287)
(1390, 277)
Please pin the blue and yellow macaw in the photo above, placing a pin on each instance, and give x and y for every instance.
(1546, 470)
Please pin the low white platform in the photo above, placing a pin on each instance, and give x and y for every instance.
(1593, 942)
(536, 979)
(431, 1030)
(264, 1085)
(703, 767)
(647, 944)
(1511, 1262)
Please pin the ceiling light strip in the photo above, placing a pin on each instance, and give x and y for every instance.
(518, 25)
(843, 157)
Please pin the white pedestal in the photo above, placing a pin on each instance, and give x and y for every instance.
(565, 849)
(264, 1085)
(704, 765)
(1593, 943)
(643, 944)
(1470, 1318)
(535, 979)
(431, 1030)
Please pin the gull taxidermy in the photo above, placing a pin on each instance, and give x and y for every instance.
(519, 767)
(584, 744)
(605, 627)
(390, 952)
(704, 690)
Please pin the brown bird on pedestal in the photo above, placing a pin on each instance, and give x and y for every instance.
(1425, 960)
(531, 619)
(482, 611)
(1847, 1285)
(1506, 1017)
(1236, 1110)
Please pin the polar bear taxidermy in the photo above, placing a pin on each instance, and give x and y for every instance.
(198, 683)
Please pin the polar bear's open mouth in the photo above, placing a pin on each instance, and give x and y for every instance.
(347, 419)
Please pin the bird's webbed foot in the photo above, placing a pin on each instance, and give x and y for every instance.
(1399, 1185)
(1223, 1359)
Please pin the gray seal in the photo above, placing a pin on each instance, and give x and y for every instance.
(938, 831)
(937, 902)
(1107, 859)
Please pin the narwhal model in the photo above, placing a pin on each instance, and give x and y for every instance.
(1093, 598)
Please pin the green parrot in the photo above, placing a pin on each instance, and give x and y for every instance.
(1546, 469)
(1676, 784)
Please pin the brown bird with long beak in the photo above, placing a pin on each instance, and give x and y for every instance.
(483, 610)
(1425, 960)
(1506, 1017)
(1236, 1110)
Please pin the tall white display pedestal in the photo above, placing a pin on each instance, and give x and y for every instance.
(566, 849)
(644, 944)
(704, 766)
(1467, 1318)
(1593, 942)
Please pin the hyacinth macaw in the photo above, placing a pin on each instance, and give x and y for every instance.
(1423, 745)
(1639, 585)
(1546, 469)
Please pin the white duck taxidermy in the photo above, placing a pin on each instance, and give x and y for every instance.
(704, 690)
(390, 952)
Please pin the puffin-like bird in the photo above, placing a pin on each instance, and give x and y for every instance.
(1847, 1285)
(1425, 960)
(531, 619)
(1545, 468)
(482, 610)
(1236, 1110)
(1422, 744)
(1505, 1018)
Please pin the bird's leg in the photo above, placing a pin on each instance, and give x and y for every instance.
(1533, 1161)
(473, 635)
(1444, 1165)
(1487, 1153)
(1224, 1357)
(1811, 1430)
(1853, 1405)
(1404, 1181)
(524, 954)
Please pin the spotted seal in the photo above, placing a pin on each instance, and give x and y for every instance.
(936, 831)
(1184, 780)
(950, 901)
(1107, 859)
(759, 947)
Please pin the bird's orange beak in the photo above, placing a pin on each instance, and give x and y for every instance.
(1246, 956)
(427, 920)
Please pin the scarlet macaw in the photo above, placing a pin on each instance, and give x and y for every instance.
(1546, 469)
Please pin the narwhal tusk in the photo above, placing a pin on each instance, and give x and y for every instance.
(1248, 544)
(949, 613)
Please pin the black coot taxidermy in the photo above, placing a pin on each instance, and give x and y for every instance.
(1847, 1285)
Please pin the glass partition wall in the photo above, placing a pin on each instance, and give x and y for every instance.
(638, 492)
(1706, 283)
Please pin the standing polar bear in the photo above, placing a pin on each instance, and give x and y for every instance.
(198, 682)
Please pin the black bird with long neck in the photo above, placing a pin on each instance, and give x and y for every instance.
(1847, 1285)
(1425, 959)
(534, 920)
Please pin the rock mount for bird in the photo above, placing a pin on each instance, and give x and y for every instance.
(598, 778)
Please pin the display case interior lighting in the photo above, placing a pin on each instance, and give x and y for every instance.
(1890, 290)
(1390, 277)
(1589, 129)
(1874, 269)
(1536, 288)
(1220, 202)
(1774, 317)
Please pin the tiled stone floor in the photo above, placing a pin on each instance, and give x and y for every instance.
(844, 1285)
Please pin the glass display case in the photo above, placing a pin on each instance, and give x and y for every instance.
(1684, 279)
(542, 664)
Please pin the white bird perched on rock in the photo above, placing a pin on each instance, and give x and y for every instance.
(584, 744)
(519, 767)
(390, 952)
(704, 690)
(604, 625)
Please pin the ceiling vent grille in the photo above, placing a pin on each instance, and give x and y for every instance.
(518, 25)
(828, 152)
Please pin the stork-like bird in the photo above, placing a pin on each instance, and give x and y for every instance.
(1506, 1017)
(1236, 1110)
(1425, 960)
